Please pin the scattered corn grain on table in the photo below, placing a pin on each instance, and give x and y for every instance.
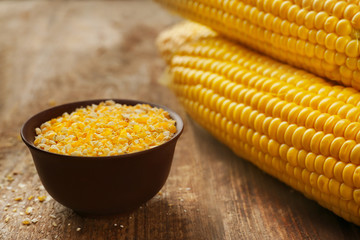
(57, 52)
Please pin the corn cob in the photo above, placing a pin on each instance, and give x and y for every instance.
(294, 125)
(315, 35)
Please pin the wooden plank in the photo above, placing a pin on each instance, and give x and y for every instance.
(62, 51)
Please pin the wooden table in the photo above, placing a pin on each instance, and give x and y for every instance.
(61, 51)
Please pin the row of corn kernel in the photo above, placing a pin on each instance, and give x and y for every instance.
(340, 17)
(331, 105)
(331, 186)
(305, 54)
(327, 166)
(326, 187)
(342, 9)
(335, 35)
(346, 209)
(320, 120)
(265, 67)
(273, 16)
(305, 100)
(315, 140)
(312, 185)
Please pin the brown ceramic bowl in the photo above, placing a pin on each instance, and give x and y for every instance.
(101, 185)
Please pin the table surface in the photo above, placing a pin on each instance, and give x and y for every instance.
(62, 51)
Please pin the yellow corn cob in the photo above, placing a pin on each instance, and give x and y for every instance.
(293, 125)
(316, 35)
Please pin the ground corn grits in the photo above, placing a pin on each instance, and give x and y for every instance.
(106, 129)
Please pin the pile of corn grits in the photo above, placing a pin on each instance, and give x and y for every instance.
(106, 129)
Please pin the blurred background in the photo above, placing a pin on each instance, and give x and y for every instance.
(61, 51)
(53, 52)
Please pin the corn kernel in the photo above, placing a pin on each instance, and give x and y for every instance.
(106, 129)
(18, 198)
(28, 210)
(26, 221)
(41, 198)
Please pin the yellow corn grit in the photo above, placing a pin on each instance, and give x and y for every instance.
(315, 35)
(106, 129)
(292, 124)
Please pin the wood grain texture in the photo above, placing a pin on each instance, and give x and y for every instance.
(52, 52)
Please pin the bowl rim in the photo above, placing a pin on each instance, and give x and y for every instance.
(179, 123)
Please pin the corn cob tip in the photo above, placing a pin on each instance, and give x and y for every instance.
(191, 31)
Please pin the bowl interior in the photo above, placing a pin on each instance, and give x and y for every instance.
(28, 129)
